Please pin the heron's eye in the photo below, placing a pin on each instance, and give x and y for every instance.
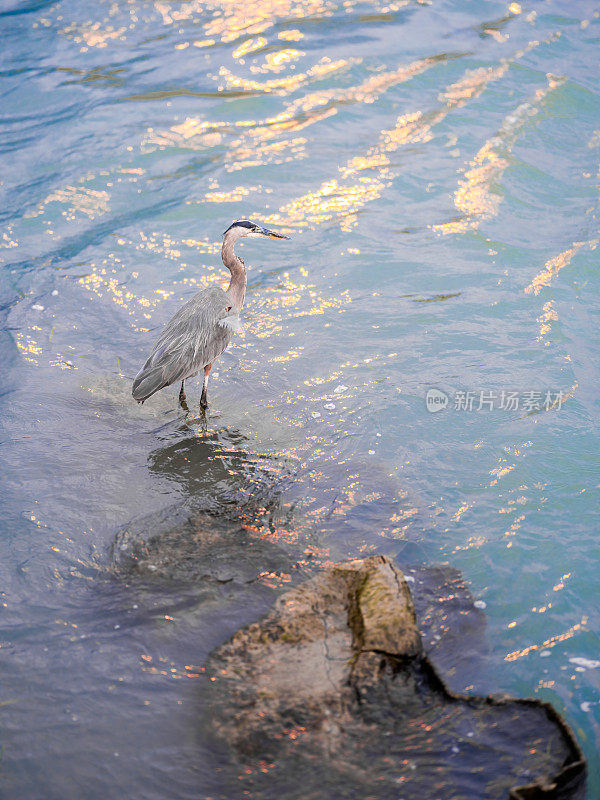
(228, 308)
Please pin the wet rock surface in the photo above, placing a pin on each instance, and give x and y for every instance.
(331, 695)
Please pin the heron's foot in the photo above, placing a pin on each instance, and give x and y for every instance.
(182, 402)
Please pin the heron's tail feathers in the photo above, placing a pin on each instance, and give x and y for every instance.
(147, 382)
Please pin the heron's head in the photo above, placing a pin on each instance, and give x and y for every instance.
(245, 227)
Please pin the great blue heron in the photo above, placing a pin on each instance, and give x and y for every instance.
(202, 328)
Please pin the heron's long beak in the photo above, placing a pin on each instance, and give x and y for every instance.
(271, 234)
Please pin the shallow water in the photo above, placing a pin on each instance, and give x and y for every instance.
(436, 165)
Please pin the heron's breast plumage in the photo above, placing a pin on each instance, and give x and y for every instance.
(208, 309)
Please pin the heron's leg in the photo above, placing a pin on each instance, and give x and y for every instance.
(182, 402)
(203, 400)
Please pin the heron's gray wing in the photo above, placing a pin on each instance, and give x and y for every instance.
(191, 340)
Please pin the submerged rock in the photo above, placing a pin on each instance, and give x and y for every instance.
(452, 626)
(181, 545)
(331, 695)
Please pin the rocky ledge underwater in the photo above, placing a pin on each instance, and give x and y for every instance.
(347, 687)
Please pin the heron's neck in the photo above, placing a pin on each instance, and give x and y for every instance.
(237, 285)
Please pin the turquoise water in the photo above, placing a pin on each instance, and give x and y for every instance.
(436, 165)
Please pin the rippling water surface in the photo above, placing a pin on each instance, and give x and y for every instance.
(436, 165)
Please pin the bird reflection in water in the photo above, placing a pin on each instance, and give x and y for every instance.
(231, 526)
(219, 474)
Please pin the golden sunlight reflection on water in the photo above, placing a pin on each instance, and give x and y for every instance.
(249, 143)
(383, 139)
(476, 198)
